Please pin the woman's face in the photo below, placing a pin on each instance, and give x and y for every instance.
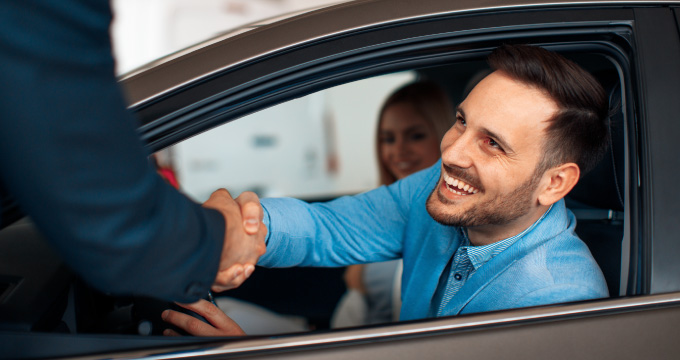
(408, 142)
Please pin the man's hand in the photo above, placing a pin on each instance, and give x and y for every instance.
(220, 323)
(243, 238)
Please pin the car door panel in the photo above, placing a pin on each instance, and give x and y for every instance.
(659, 84)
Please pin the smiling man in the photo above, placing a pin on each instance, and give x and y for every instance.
(494, 233)
(486, 228)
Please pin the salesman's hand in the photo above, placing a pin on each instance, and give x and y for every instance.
(220, 324)
(243, 238)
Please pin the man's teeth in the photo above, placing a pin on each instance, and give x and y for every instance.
(460, 185)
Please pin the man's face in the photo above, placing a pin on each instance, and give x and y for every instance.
(490, 155)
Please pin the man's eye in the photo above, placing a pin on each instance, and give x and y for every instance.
(418, 136)
(493, 143)
(460, 120)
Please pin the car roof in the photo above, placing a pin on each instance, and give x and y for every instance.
(238, 46)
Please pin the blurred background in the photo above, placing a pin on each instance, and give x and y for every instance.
(145, 30)
(315, 148)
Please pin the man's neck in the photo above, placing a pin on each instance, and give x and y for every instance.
(489, 234)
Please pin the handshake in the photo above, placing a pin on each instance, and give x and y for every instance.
(243, 237)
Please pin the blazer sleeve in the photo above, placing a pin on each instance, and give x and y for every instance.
(70, 157)
(368, 227)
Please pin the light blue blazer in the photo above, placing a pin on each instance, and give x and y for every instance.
(549, 264)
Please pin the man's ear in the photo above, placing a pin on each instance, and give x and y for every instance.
(557, 182)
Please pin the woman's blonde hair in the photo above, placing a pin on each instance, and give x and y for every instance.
(430, 101)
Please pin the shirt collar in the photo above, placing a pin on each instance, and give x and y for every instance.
(480, 255)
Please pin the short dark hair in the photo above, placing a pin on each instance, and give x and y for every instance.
(579, 131)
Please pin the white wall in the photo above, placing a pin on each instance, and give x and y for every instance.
(144, 30)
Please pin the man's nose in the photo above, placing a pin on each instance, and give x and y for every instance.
(458, 151)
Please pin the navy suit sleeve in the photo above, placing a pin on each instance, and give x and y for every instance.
(70, 157)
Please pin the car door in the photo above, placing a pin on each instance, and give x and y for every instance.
(642, 44)
(197, 91)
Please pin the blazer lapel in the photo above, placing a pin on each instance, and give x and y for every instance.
(431, 261)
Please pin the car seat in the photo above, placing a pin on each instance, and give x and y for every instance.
(598, 200)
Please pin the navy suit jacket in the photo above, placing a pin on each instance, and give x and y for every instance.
(70, 158)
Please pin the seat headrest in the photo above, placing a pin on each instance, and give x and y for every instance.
(603, 187)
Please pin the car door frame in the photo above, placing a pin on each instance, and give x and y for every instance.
(602, 327)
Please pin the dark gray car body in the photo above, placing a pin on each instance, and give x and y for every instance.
(241, 72)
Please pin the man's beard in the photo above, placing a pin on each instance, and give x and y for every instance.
(499, 210)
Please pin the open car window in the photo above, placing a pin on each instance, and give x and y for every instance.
(322, 146)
